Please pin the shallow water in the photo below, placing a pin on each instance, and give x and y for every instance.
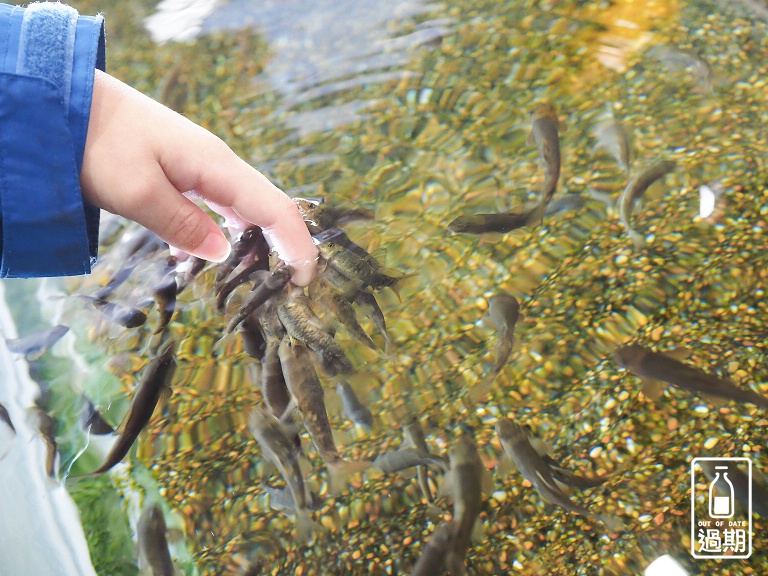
(420, 112)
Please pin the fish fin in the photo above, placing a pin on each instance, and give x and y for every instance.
(638, 240)
(541, 447)
(36, 355)
(613, 523)
(445, 486)
(434, 512)
(679, 354)
(478, 534)
(305, 527)
(486, 482)
(505, 465)
(340, 471)
(715, 401)
(175, 535)
(653, 389)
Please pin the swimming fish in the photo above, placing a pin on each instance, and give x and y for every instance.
(341, 309)
(499, 223)
(118, 313)
(155, 380)
(35, 345)
(224, 289)
(279, 449)
(251, 334)
(370, 307)
(504, 311)
(301, 323)
(635, 189)
(262, 291)
(274, 390)
(431, 562)
(414, 433)
(681, 59)
(154, 556)
(406, 457)
(305, 387)
(354, 409)
(466, 470)
(319, 216)
(246, 245)
(532, 466)
(354, 262)
(164, 294)
(650, 365)
(611, 135)
(545, 133)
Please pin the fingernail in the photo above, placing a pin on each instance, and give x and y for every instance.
(214, 248)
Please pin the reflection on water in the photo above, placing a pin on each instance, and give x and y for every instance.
(421, 114)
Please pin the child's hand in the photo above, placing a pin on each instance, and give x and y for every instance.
(140, 157)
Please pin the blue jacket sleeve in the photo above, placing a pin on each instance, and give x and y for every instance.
(48, 55)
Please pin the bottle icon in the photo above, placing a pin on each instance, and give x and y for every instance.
(721, 494)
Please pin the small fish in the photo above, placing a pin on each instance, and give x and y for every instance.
(404, 458)
(431, 562)
(246, 245)
(681, 59)
(635, 189)
(354, 262)
(252, 336)
(151, 531)
(281, 499)
(341, 309)
(354, 409)
(504, 311)
(320, 216)
(118, 313)
(612, 136)
(155, 380)
(262, 291)
(414, 433)
(301, 323)
(532, 466)
(5, 417)
(371, 308)
(164, 294)
(270, 321)
(274, 390)
(499, 223)
(650, 365)
(92, 420)
(544, 132)
(740, 483)
(46, 426)
(35, 345)
(305, 387)
(467, 470)
(279, 449)
(224, 289)
(117, 280)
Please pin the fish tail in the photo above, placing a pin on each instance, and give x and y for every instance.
(340, 471)
(305, 526)
(638, 240)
